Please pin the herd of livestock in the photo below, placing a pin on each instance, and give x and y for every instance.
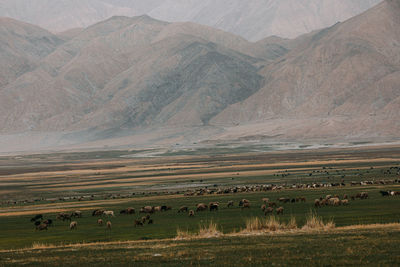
(268, 207)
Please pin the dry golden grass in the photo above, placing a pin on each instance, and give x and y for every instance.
(269, 224)
(316, 223)
(205, 231)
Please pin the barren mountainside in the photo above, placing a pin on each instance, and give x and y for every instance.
(137, 79)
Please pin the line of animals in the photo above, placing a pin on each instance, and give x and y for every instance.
(268, 207)
(206, 190)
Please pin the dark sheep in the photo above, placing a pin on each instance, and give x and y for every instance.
(37, 217)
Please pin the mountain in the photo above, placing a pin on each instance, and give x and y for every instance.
(253, 20)
(22, 46)
(138, 80)
(340, 81)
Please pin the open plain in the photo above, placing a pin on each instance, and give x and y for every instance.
(358, 228)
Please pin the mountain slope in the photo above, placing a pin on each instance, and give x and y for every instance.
(21, 47)
(253, 20)
(350, 72)
(129, 72)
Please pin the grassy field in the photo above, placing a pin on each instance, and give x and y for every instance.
(116, 182)
(374, 246)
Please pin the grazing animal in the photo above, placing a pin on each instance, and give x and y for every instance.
(345, 202)
(37, 223)
(100, 222)
(138, 223)
(127, 211)
(317, 203)
(76, 214)
(279, 210)
(265, 200)
(213, 206)
(144, 219)
(246, 205)
(230, 204)
(334, 201)
(97, 212)
(37, 217)
(384, 193)
(183, 209)
(191, 213)
(157, 208)
(243, 201)
(63, 216)
(165, 208)
(263, 207)
(49, 222)
(147, 209)
(345, 196)
(109, 225)
(41, 227)
(268, 210)
(73, 225)
(201, 207)
(271, 204)
(108, 213)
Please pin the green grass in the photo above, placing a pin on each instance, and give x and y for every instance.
(18, 232)
(372, 247)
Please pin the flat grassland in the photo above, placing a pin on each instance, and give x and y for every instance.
(52, 183)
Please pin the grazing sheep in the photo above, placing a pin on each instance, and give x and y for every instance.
(230, 204)
(97, 212)
(63, 216)
(271, 204)
(345, 202)
(41, 227)
(334, 201)
(384, 193)
(127, 211)
(147, 209)
(183, 209)
(108, 213)
(191, 213)
(73, 225)
(157, 208)
(138, 223)
(49, 222)
(265, 200)
(37, 217)
(317, 203)
(109, 225)
(76, 214)
(243, 201)
(144, 219)
(303, 199)
(263, 207)
(246, 205)
(268, 210)
(213, 206)
(100, 222)
(279, 210)
(166, 208)
(201, 207)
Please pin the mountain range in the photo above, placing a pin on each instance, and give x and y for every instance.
(138, 80)
(252, 19)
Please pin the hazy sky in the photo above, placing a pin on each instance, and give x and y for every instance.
(252, 19)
